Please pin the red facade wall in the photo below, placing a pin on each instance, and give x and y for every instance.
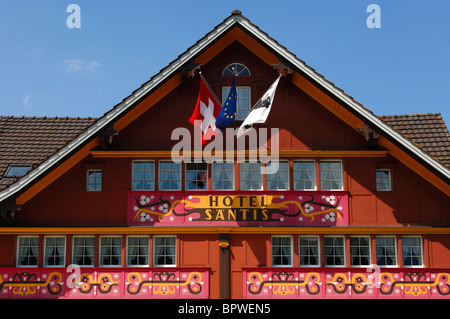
(304, 125)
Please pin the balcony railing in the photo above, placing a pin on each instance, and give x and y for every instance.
(301, 283)
(117, 283)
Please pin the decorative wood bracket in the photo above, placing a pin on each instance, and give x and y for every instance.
(8, 211)
(283, 68)
(190, 69)
(106, 136)
(370, 135)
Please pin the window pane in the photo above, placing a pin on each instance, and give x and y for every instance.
(55, 251)
(250, 176)
(334, 251)
(164, 251)
(304, 175)
(94, 180)
(360, 251)
(196, 176)
(28, 251)
(137, 251)
(386, 252)
(83, 251)
(143, 175)
(222, 176)
(111, 251)
(383, 180)
(281, 251)
(169, 176)
(331, 175)
(280, 179)
(309, 251)
(412, 251)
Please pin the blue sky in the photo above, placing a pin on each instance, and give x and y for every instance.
(48, 69)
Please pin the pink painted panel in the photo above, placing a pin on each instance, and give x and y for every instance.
(346, 283)
(104, 283)
(238, 209)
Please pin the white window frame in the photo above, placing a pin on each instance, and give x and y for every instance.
(225, 95)
(87, 180)
(341, 174)
(45, 255)
(73, 250)
(421, 252)
(127, 251)
(132, 175)
(318, 251)
(186, 178)
(154, 259)
(291, 247)
(389, 176)
(18, 250)
(288, 176)
(159, 176)
(345, 252)
(240, 177)
(370, 251)
(395, 251)
(100, 263)
(315, 175)
(233, 165)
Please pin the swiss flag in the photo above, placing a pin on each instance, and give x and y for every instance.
(205, 113)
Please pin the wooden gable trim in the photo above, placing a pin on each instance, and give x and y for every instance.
(125, 120)
(236, 33)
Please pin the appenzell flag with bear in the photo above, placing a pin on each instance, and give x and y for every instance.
(205, 113)
(261, 110)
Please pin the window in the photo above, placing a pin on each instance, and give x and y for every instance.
(412, 251)
(386, 251)
(304, 175)
(164, 250)
(236, 69)
(143, 175)
(110, 251)
(250, 176)
(334, 251)
(55, 251)
(94, 180)
(17, 170)
(169, 175)
(83, 251)
(196, 176)
(28, 251)
(308, 251)
(331, 175)
(222, 176)
(383, 179)
(280, 179)
(281, 251)
(137, 251)
(360, 251)
(243, 100)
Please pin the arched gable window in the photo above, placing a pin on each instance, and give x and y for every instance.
(239, 69)
(243, 92)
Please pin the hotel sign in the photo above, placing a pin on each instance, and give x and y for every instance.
(315, 208)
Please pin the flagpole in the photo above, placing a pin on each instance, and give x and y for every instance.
(206, 83)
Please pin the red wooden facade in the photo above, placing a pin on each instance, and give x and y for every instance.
(218, 251)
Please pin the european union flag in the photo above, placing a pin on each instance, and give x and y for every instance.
(227, 114)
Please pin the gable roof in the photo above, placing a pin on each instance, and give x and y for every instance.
(32, 140)
(427, 131)
(87, 136)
